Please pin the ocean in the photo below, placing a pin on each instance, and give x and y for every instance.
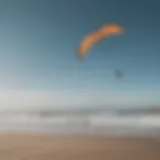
(106, 122)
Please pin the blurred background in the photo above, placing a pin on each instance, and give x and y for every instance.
(44, 86)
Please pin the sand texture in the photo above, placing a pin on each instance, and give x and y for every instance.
(77, 147)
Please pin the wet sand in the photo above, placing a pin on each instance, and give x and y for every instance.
(76, 147)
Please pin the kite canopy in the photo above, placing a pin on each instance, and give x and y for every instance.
(93, 38)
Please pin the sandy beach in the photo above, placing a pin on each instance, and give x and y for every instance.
(76, 147)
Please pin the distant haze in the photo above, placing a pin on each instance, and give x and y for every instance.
(65, 99)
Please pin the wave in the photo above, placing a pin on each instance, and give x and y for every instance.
(109, 121)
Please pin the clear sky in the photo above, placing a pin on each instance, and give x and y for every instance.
(39, 40)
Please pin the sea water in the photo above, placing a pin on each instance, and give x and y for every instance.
(140, 124)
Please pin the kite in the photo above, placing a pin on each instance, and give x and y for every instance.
(93, 38)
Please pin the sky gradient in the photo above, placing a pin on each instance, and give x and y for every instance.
(38, 47)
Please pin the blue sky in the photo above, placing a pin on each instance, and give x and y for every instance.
(39, 40)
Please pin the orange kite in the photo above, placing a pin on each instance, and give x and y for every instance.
(103, 32)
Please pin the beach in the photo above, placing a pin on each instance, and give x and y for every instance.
(35, 146)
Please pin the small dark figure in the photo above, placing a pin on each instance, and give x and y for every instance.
(119, 74)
